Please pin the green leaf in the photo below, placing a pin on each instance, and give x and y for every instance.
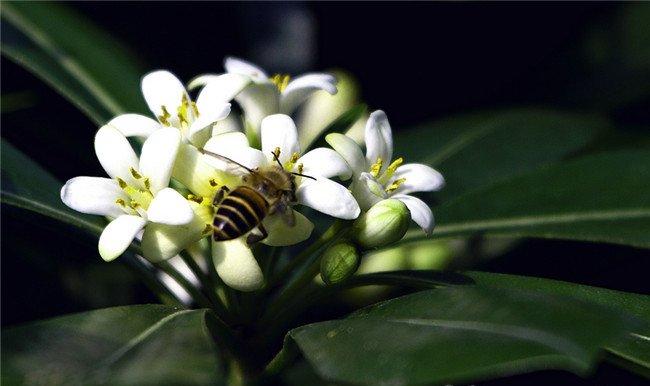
(602, 198)
(26, 185)
(634, 347)
(460, 334)
(479, 149)
(82, 62)
(148, 344)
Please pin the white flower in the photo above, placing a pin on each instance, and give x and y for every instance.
(269, 95)
(233, 259)
(171, 105)
(136, 196)
(377, 178)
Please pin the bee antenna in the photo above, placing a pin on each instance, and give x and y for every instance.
(224, 158)
(275, 157)
(303, 175)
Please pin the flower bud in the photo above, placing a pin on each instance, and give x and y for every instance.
(384, 223)
(339, 262)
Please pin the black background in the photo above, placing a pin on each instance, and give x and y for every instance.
(416, 61)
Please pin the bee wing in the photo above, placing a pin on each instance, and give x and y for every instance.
(227, 160)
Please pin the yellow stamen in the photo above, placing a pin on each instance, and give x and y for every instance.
(121, 183)
(195, 109)
(147, 183)
(207, 229)
(394, 165)
(300, 168)
(135, 174)
(213, 182)
(120, 202)
(184, 111)
(376, 167)
(276, 152)
(164, 118)
(392, 187)
(281, 81)
(197, 199)
(134, 204)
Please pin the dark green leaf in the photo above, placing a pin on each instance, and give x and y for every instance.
(479, 149)
(84, 63)
(635, 346)
(149, 344)
(597, 198)
(460, 334)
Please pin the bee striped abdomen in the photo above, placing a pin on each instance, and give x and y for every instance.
(239, 212)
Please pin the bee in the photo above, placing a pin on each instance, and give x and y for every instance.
(267, 190)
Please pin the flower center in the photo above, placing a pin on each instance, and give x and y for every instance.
(385, 177)
(288, 166)
(139, 196)
(281, 81)
(186, 113)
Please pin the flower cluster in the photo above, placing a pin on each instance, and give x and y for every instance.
(240, 177)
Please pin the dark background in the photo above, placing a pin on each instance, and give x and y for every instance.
(417, 61)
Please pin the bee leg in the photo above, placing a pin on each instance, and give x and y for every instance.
(254, 238)
(220, 194)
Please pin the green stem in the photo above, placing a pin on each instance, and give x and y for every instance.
(293, 287)
(206, 284)
(180, 279)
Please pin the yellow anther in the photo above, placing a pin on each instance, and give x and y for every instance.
(300, 168)
(134, 204)
(213, 182)
(207, 229)
(276, 152)
(164, 117)
(294, 158)
(135, 174)
(147, 183)
(195, 109)
(376, 167)
(281, 81)
(392, 187)
(184, 110)
(394, 165)
(120, 202)
(121, 183)
(197, 199)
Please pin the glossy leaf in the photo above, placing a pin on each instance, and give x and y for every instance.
(596, 198)
(479, 149)
(460, 334)
(634, 347)
(149, 344)
(79, 60)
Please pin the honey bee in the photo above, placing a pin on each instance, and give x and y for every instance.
(266, 190)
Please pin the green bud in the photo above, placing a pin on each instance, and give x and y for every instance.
(384, 223)
(339, 262)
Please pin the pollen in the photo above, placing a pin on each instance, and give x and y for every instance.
(197, 199)
(396, 184)
(164, 117)
(281, 81)
(376, 167)
(135, 174)
(120, 202)
(394, 165)
(213, 182)
(121, 183)
(147, 183)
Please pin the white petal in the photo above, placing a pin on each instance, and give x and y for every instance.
(178, 290)
(419, 178)
(258, 101)
(231, 123)
(324, 162)
(349, 150)
(234, 146)
(302, 87)
(115, 153)
(158, 156)
(118, 235)
(169, 207)
(219, 89)
(279, 131)
(208, 118)
(161, 242)
(281, 234)
(134, 125)
(379, 139)
(420, 211)
(328, 197)
(236, 265)
(367, 191)
(238, 66)
(93, 195)
(162, 88)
